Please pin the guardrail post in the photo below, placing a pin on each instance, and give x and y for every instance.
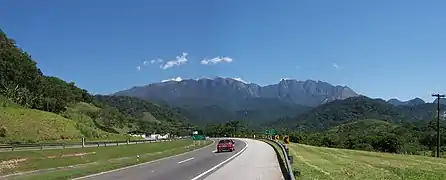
(117, 143)
(128, 140)
(83, 142)
(98, 144)
(291, 159)
(41, 146)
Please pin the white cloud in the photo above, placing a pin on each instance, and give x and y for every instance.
(179, 60)
(216, 60)
(153, 61)
(138, 68)
(241, 80)
(173, 79)
(336, 66)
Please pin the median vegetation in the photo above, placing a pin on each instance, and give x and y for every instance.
(69, 163)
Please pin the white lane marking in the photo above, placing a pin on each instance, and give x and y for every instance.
(214, 151)
(141, 164)
(218, 165)
(183, 161)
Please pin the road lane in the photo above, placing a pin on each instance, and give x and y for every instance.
(182, 167)
(258, 162)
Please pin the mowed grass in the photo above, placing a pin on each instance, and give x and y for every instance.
(29, 125)
(330, 163)
(22, 125)
(22, 161)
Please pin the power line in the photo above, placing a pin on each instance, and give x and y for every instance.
(438, 96)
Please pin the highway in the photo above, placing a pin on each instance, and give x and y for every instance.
(190, 166)
(252, 160)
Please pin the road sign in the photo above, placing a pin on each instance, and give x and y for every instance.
(271, 132)
(277, 137)
(286, 139)
(198, 137)
(274, 132)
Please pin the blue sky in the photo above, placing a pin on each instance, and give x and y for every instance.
(380, 48)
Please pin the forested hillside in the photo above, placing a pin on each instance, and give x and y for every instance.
(376, 135)
(367, 124)
(35, 107)
(356, 108)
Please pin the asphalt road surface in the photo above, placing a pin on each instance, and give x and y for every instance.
(258, 162)
(195, 165)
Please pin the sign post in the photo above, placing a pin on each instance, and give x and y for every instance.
(286, 139)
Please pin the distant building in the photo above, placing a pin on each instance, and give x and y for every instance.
(158, 136)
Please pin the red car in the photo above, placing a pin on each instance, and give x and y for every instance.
(225, 145)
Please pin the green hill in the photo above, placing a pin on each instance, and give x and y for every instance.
(29, 125)
(36, 108)
(354, 109)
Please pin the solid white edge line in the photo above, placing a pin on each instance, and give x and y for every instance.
(223, 162)
(141, 164)
(183, 161)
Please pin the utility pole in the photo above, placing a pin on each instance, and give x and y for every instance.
(438, 96)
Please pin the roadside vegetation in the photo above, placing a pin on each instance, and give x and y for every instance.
(330, 163)
(38, 108)
(377, 135)
(84, 161)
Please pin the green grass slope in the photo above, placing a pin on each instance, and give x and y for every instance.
(29, 125)
(22, 125)
(331, 163)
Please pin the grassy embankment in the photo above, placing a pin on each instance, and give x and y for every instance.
(18, 124)
(330, 163)
(88, 160)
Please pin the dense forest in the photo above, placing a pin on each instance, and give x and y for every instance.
(367, 124)
(23, 86)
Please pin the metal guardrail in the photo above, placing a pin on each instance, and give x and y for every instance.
(288, 158)
(41, 146)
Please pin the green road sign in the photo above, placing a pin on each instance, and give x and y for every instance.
(271, 132)
(198, 137)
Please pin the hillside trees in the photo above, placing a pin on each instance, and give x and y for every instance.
(23, 83)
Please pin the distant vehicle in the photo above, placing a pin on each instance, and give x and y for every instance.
(225, 145)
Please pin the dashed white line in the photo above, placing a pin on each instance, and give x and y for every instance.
(137, 165)
(183, 161)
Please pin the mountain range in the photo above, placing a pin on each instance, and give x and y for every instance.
(413, 102)
(236, 95)
(216, 100)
